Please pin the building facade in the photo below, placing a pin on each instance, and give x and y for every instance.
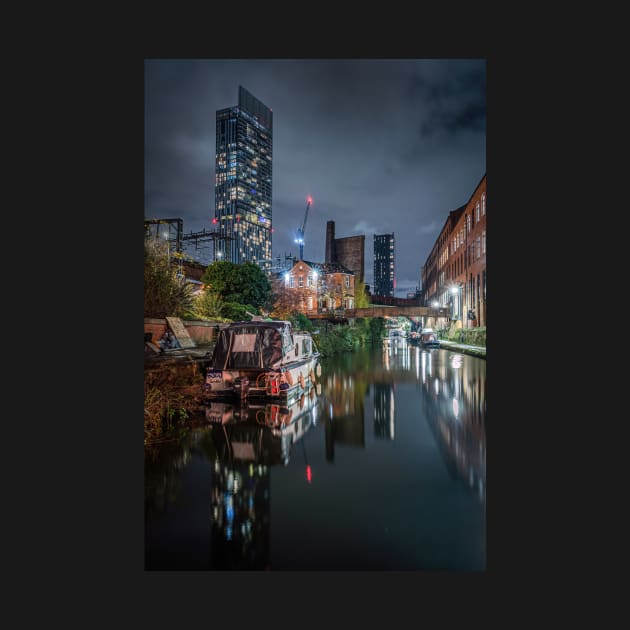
(348, 251)
(311, 288)
(243, 205)
(454, 274)
(384, 264)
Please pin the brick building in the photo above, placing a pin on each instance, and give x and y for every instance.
(348, 251)
(310, 288)
(455, 270)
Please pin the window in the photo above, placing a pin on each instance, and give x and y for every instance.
(483, 204)
(309, 280)
(300, 281)
(310, 303)
(483, 242)
(291, 282)
(347, 282)
(477, 213)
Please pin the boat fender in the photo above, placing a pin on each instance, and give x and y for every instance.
(289, 378)
(302, 383)
(312, 377)
(319, 370)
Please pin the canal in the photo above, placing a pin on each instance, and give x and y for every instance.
(381, 468)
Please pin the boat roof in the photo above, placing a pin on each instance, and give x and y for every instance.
(272, 323)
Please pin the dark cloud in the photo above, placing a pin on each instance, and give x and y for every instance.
(387, 145)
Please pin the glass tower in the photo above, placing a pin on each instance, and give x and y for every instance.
(384, 281)
(242, 193)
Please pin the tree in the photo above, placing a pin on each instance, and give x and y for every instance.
(244, 283)
(208, 305)
(166, 293)
(286, 303)
(361, 298)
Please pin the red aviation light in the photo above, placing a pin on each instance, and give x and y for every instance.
(215, 220)
(309, 199)
(309, 476)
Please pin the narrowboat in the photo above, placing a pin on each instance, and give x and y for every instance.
(262, 359)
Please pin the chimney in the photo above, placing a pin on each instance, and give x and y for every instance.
(330, 242)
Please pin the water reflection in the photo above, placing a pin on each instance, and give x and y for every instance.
(345, 410)
(242, 441)
(455, 409)
(453, 402)
(232, 451)
(384, 411)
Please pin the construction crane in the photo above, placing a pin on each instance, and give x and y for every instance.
(300, 233)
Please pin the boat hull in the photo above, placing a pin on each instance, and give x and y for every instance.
(285, 384)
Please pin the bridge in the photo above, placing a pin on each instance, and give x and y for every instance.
(384, 311)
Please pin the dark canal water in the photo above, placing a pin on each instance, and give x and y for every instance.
(382, 469)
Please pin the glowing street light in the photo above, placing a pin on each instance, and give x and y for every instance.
(457, 290)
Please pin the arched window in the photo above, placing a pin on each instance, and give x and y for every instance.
(477, 213)
(483, 204)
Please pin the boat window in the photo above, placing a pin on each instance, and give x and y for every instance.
(305, 346)
(297, 349)
(244, 343)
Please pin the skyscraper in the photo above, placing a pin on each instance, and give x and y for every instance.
(242, 193)
(384, 279)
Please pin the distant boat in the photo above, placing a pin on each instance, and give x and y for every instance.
(428, 338)
(264, 359)
(397, 333)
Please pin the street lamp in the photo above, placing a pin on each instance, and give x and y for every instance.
(168, 248)
(436, 304)
(457, 290)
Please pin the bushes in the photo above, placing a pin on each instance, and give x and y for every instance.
(342, 339)
(165, 292)
(299, 321)
(471, 336)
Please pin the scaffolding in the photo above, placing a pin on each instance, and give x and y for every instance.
(172, 231)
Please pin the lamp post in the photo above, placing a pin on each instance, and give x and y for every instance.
(457, 290)
(168, 249)
(436, 304)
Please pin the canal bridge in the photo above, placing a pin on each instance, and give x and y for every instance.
(385, 311)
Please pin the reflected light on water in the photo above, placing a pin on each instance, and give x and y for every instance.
(417, 357)
(437, 385)
(456, 361)
(424, 367)
(456, 407)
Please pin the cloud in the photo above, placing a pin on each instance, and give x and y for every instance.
(428, 228)
(362, 227)
(389, 145)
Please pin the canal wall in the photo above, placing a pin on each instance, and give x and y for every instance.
(201, 332)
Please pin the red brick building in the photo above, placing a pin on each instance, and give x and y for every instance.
(348, 251)
(311, 288)
(455, 270)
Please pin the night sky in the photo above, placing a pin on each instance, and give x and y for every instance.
(380, 145)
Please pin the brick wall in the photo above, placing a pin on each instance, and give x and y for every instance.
(350, 252)
(200, 332)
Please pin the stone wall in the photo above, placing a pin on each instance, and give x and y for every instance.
(200, 332)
